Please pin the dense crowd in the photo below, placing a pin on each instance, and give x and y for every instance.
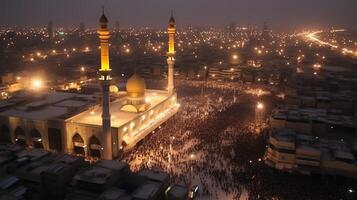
(213, 142)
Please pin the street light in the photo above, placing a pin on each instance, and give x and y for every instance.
(37, 84)
(259, 113)
(192, 156)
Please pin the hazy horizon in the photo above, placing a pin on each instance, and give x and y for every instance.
(280, 14)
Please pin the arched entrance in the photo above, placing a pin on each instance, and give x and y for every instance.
(55, 139)
(78, 145)
(36, 139)
(94, 147)
(20, 137)
(5, 135)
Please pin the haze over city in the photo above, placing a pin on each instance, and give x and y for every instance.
(281, 14)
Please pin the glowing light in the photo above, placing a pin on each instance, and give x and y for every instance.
(317, 66)
(37, 84)
(260, 105)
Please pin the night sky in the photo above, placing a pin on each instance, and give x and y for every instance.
(280, 14)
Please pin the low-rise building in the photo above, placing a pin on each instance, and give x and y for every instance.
(290, 151)
(39, 174)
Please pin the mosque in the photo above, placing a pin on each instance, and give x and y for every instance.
(78, 124)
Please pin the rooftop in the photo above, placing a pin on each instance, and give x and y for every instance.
(147, 191)
(154, 175)
(51, 105)
(119, 117)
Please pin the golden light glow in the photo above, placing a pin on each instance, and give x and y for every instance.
(317, 66)
(37, 84)
(171, 31)
(104, 36)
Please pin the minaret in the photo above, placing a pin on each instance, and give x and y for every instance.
(171, 54)
(105, 78)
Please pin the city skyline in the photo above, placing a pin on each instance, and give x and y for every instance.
(281, 15)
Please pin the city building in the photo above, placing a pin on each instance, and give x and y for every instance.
(290, 151)
(314, 121)
(39, 174)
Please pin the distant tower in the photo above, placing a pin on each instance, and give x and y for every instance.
(105, 78)
(265, 33)
(82, 28)
(171, 54)
(50, 30)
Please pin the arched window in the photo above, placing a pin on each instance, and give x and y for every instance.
(36, 139)
(78, 145)
(5, 135)
(94, 147)
(20, 137)
(129, 108)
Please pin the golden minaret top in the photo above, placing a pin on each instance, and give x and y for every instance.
(104, 36)
(171, 30)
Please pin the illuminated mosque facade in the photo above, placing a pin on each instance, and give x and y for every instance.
(77, 124)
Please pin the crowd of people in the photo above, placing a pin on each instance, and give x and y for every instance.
(213, 142)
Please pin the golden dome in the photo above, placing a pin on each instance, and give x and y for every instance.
(135, 86)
